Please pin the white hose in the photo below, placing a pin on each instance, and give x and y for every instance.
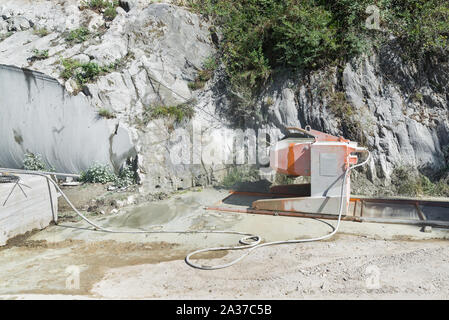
(249, 241)
(256, 246)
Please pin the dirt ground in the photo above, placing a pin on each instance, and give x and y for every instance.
(364, 260)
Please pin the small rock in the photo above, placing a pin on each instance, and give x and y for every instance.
(92, 208)
(3, 26)
(71, 86)
(18, 24)
(83, 58)
(427, 229)
(95, 23)
(120, 11)
(71, 184)
(112, 188)
(114, 211)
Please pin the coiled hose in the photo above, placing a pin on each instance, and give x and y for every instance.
(249, 241)
(260, 245)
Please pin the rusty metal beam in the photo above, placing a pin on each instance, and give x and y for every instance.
(433, 223)
(411, 201)
(282, 213)
(434, 203)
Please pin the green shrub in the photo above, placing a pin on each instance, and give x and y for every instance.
(281, 179)
(77, 35)
(178, 112)
(126, 177)
(204, 75)
(195, 85)
(98, 173)
(237, 175)
(42, 32)
(210, 63)
(69, 67)
(108, 7)
(89, 71)
(97, 4)
(345, 113)
(421, 25)
(109, 13)
(105, 113)
(39, 55)
(405, 182)
(34, 162)
(6, 35)
(261, 36)
(408, 183)
(82, 72)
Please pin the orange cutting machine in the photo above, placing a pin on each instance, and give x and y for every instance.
(323, 157)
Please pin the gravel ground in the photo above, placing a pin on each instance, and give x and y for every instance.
(348, 268)
(363, 261)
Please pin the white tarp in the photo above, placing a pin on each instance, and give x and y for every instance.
(23, 213)
(38, 115)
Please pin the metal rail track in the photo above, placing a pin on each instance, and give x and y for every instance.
(358, 205)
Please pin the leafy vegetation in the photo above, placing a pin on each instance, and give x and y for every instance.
(422, 26)
(105, 6)
(205, 74)
(34, 162)
(105, 113)
(77, 35)
(99, 173)
(126, 177)
(98, 4)
(178, 112)
(281, 179)
(408, 183)
(39, 55)
(346, 114)
(237, 175)
(6, 35)
(261, 36)
(109, 13)
(83, 72)
(42, 32)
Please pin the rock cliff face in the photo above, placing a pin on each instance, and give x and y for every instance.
(397, 109)
(158, 49)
